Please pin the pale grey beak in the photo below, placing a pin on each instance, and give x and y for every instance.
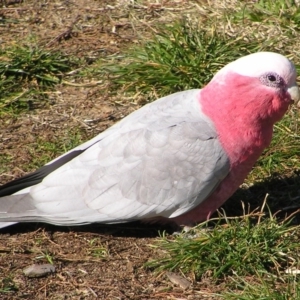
(295, 94)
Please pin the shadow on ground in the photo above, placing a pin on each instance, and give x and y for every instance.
(283, 197)
(132, 229)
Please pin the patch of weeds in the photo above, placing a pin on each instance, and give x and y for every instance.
(264, 289)
(7, 285)
(100, 252)
(47, 256)
(27, 72)
(238, 246)
(5, 161)
(97, 249)
(283, 12)
(181, 56)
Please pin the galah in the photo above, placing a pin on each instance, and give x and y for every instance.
(176, 159)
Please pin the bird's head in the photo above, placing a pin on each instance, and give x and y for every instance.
(262, 83)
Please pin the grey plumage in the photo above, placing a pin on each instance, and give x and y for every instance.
(161, 160)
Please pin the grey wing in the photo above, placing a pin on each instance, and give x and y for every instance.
(157, 169)
(156, 162)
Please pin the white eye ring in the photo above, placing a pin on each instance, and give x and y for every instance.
(272, 79)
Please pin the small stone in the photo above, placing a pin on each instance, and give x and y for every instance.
(293, 271)
(36, 270)
(179, 280)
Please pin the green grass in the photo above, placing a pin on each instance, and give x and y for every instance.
(97, 249)
(264, 289)
(48, 257)
(181, 56)
(28, 72)
(242, 246)
(187, 53)
(7, 285)
(285, 13)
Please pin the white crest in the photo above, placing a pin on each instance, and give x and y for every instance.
(257, 64)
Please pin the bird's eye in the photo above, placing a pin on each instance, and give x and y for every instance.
(271, 77)
(272, 80)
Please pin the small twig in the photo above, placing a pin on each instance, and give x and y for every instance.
(262, 208)
(109, 7)
(13, 8)
(258, 214)
(147, 25)
(291, 215)
(62, 257)
(291, 207)
(89, 84)
(74, 71)
(6, 250)
(67, 33)
(93, 292)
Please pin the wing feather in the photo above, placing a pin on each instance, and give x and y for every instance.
(162, 160)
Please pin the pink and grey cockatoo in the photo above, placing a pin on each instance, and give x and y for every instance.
(176, 159)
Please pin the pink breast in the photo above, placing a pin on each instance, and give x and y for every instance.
(243, 114)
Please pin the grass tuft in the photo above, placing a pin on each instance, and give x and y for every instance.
(285, 13)
(181, 56)
(239, 247)
(263, 289)
(27, 72)
(7, 285)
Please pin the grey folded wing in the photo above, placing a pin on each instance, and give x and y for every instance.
(162, 160)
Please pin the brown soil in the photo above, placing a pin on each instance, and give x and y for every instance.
(105, 262)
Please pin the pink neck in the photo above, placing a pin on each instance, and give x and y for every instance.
(244, 114)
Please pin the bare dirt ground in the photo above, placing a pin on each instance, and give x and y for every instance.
(105, 262)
